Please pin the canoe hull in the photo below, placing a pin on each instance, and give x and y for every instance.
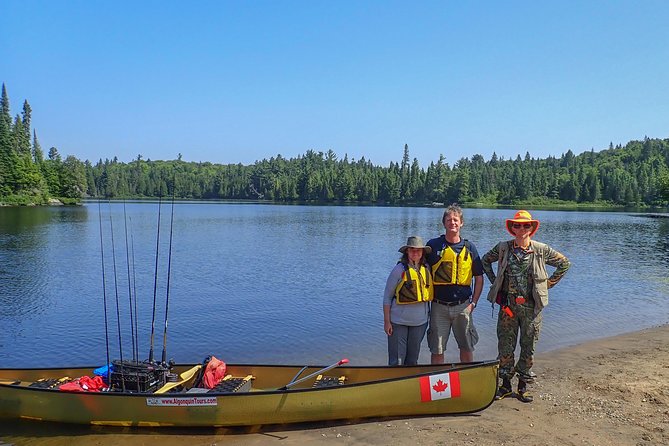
(369, 392)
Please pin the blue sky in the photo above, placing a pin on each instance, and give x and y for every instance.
(235, 82)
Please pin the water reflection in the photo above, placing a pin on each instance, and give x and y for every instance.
(288, 284)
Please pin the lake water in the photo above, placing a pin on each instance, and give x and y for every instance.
(254, 283)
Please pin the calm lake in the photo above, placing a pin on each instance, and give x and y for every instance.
(254, 283)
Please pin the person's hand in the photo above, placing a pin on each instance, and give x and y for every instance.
(388, 328)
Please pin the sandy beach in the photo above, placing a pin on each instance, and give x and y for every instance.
(613, 391)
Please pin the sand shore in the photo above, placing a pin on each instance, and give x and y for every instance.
(613, 391)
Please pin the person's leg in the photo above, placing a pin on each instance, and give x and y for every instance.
(414, 339)
(438, 332)
(463, 331)
(530, 329)
(393, 347)
(507, 338)
(402, 332)
(466, 356)
(436, 358)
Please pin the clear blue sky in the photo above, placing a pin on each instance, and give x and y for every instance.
(234, 82)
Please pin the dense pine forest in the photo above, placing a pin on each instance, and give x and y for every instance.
(636, 174)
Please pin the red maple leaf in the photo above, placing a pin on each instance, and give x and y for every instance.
(440, 386)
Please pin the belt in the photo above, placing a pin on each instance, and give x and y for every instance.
(452, 304)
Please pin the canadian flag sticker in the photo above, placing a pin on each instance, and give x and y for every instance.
(438, 387)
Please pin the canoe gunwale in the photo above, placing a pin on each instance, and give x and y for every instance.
(446, 368)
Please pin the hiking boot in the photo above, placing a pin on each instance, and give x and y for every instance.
(523, 394)
(504, 390)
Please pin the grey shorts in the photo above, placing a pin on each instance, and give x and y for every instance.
(443, 319)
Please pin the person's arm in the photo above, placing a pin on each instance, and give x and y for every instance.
(387, 325)
(478, 287)
(432, 257)
(488, 259)
(561, 264)
(477, 271)
(388, 296)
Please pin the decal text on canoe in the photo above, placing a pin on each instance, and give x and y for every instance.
(181, 401)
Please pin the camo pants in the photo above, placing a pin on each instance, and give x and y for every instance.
(529, 325)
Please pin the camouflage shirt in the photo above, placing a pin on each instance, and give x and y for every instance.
(518, 274)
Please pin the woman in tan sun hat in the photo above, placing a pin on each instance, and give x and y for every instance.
(406, 303)
(521, 289)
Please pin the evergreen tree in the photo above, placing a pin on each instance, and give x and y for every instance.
(38, 154)
(7, 161)
(405, 192)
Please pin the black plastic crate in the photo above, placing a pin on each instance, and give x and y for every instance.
(132, 376)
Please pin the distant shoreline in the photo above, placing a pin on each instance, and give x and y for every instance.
(649, 212)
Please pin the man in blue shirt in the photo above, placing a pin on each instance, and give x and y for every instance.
(454, 262)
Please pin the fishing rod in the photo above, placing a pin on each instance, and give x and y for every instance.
(169, 267)
(104, 287)
(155, 277)
(118, 307)
(127, 262)
(134, 288)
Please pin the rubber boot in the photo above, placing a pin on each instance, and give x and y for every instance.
(523, 394)
(504, 390)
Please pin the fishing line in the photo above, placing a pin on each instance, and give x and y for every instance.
(118, 307)
(134, 287)
(169, 267)
(155, 277)
(127, 261)
(104, 288)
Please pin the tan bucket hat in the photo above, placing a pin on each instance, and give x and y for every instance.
(415, 242)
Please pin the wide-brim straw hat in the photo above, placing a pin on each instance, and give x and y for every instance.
(522, 217)
(415, 242)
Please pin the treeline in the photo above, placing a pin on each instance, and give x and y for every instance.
(636, 174)
(26, 176)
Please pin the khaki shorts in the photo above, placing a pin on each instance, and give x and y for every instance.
(445, 318)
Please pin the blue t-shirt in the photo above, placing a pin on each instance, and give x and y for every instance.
(453, 293)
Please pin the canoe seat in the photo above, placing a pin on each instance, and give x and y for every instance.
(329, 381)
(183, 378)
(51, 383)
(231, 384)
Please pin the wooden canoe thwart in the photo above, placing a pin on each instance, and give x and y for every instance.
(255, 395)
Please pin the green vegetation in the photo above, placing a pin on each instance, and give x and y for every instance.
(634, 175)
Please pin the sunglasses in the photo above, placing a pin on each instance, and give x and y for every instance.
(524, 225)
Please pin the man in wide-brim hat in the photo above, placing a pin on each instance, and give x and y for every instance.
(521, 289)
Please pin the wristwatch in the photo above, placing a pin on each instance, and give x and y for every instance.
(472, 302)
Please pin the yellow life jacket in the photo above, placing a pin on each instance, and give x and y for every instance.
(415, 286)
(453, 269)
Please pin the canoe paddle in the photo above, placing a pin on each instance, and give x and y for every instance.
(330, 367)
